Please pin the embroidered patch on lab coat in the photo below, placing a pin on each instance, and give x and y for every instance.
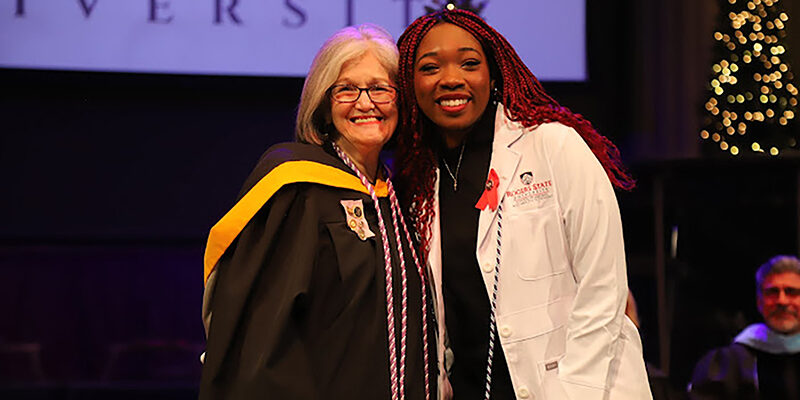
(526, 177)
(530, 193)
(356, 221)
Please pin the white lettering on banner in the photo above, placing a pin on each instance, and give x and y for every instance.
(254, 37)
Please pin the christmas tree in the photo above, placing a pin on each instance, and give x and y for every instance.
(752, 100)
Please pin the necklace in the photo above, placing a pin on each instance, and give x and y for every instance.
(458, 166)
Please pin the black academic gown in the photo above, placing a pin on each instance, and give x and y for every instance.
(743, 372)
(298, 306)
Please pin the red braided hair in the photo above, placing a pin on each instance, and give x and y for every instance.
(520, 92)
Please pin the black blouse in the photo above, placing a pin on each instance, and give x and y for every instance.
(466, 304)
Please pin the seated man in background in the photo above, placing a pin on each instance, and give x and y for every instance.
(763, 362)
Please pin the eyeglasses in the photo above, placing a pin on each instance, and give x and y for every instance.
(774, 292)
(379, 94)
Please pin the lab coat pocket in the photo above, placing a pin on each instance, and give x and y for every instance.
(538, 250)
(530, 336)
(551, 384)
(544, 321)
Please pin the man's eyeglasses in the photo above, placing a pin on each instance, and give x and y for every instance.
(775, 292)
(379, 94)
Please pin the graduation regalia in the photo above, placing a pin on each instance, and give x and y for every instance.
(295, 297)
(759, 364)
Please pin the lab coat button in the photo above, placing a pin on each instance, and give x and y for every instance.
(523, 393)
(505, 331)
(487, 268)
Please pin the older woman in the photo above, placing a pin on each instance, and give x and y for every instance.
(528, 264)
(313, 289)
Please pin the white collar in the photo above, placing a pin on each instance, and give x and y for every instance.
(506, 131)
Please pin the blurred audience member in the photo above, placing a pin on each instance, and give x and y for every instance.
(763, 362)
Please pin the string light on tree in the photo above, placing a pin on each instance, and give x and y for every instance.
(752, 98)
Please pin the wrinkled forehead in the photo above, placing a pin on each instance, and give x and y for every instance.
(371, 64)
(782, 279)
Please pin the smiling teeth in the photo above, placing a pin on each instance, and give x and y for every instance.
(453, 102)
(365, 119)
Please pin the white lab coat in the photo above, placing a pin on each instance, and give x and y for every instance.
(562, 281)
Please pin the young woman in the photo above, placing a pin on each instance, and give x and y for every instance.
(512, 197)
(313, 289)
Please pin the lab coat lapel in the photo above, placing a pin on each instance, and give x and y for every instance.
(435, 254)
(504, 161)
(435, 274)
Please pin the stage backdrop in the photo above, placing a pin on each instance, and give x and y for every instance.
(254, 37)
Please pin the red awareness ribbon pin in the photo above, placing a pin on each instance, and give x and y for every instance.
(489, 196)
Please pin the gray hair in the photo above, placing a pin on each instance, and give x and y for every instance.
(776, 265)
(350, 43)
